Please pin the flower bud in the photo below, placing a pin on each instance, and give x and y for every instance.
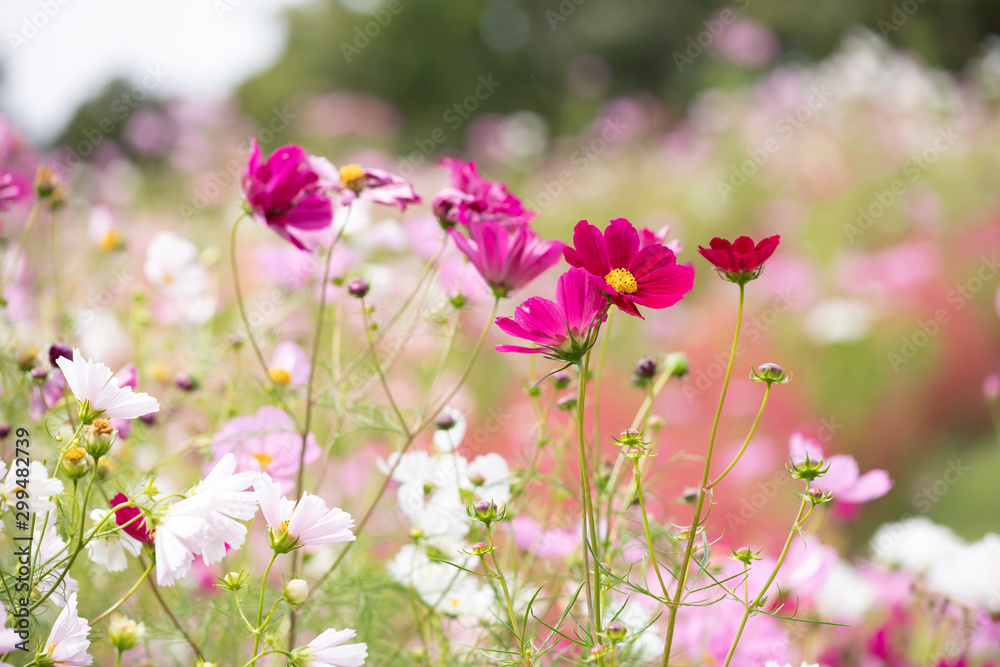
(4, 429)
(234, 581)
(486, 511)
(676, 364)
(75, 463)
(690, 494)
(358, 288)
(124, 633)
(416, 533)
(57, 350)
(561, 380)
(27, 358)
(185, 381)
(808, 470)
(296, 591)
(646, 368)
(444, 422)
(746, 555)
(149, 419)
(567, 402)
(818, 496)
(98, 438)
(39, 373)
(46, 182)
(616, 631)
(597, 653)
(480, 548)
(770, 373)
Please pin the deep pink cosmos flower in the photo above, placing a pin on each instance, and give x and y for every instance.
(507, 258)
(632, 275)
(843, 478)
(741, 260)
(352, 182)
(562, 329)
(471, 198)
(285, 194)
(124, 517)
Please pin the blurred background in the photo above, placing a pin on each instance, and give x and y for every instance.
(864, 132)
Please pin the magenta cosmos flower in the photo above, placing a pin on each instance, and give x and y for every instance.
(471, 198)
(285, 194)
(741, 260)
(352, 182)
(632, 274)
(561, 329)
(507, 258)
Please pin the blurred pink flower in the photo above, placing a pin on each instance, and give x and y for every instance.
(289, 364)
(744, 42)
(508, 258)
(544, 543)
(285, 194)
(266, 442)
(471, 198)
(377, 185)
(843, 479)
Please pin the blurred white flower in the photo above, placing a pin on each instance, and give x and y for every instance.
(39, 485)
(915, 545)
(970, 575)
(489, 478)
(110, 550)
(845, 595)
(446, 440)
(839, 321)
(329, 650)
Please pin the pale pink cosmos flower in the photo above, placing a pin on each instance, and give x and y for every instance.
(307, 521)
(67, 643)
(9, 639)
(99, 395)
(507, 258)
(544, 542)
(207, 522)
(266, 442)
(353, 182)
(289, 364)
(329, 650)
(843, 479)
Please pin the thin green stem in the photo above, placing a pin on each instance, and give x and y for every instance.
(589, 524)
(739, 454)
(107, 612)
(759, 600)
(239, 295)
(645, 526)
(370, 337)
(506, 592)
(173, 619)
(258, 630)
(693, 532)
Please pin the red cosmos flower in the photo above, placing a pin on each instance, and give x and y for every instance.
(285, 194)
(740, 261)
(633, 275)
(124, 517)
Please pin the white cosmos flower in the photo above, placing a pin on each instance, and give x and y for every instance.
(489, 478)
(915, 545)
(110, 551)
(9, 638)
(204, 522)
(440, 585)
(971, 575)
(172, 266)
(307, 521)
(329, 650)
(94, 385)
(40, 488)
(67, 643)
(446, 440)
(440, 516)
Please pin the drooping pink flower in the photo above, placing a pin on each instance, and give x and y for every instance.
(471, 198)
(267, 442)
(561, 329)
(131, 520)
(285, 194)
(507, 258)
(352, 181)
(740, 260)
(632, 275)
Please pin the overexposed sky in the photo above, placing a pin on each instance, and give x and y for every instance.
(56, 54)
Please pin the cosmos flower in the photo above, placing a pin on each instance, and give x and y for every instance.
(470, 198)
(289, 364)
(633, 275)
(99, 394)
(67, 643)
(40, 489)
(561, 329)
(353, 182)
(741, 260)
(285, 193)
(506, 258)
(126, 518)
(305, 522)
(329, 650)
(110, 550)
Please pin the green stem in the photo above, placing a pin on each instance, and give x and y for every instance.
(645, 526)
(759, 600)
(506, 592)
(239, 296)
(739, 454)
(173, 619)
(693, 532)
(121, 601)
(260, 609)
(589, 524)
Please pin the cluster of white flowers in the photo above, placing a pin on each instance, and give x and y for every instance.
(966, 573)
(434, 493)
(172, 266)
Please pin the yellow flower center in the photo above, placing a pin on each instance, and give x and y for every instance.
(279, 376)
(351, 176)
(622, 281)
(167, 279)
(263, 460)
(284, 526)
(111, 241)
(76, 454)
